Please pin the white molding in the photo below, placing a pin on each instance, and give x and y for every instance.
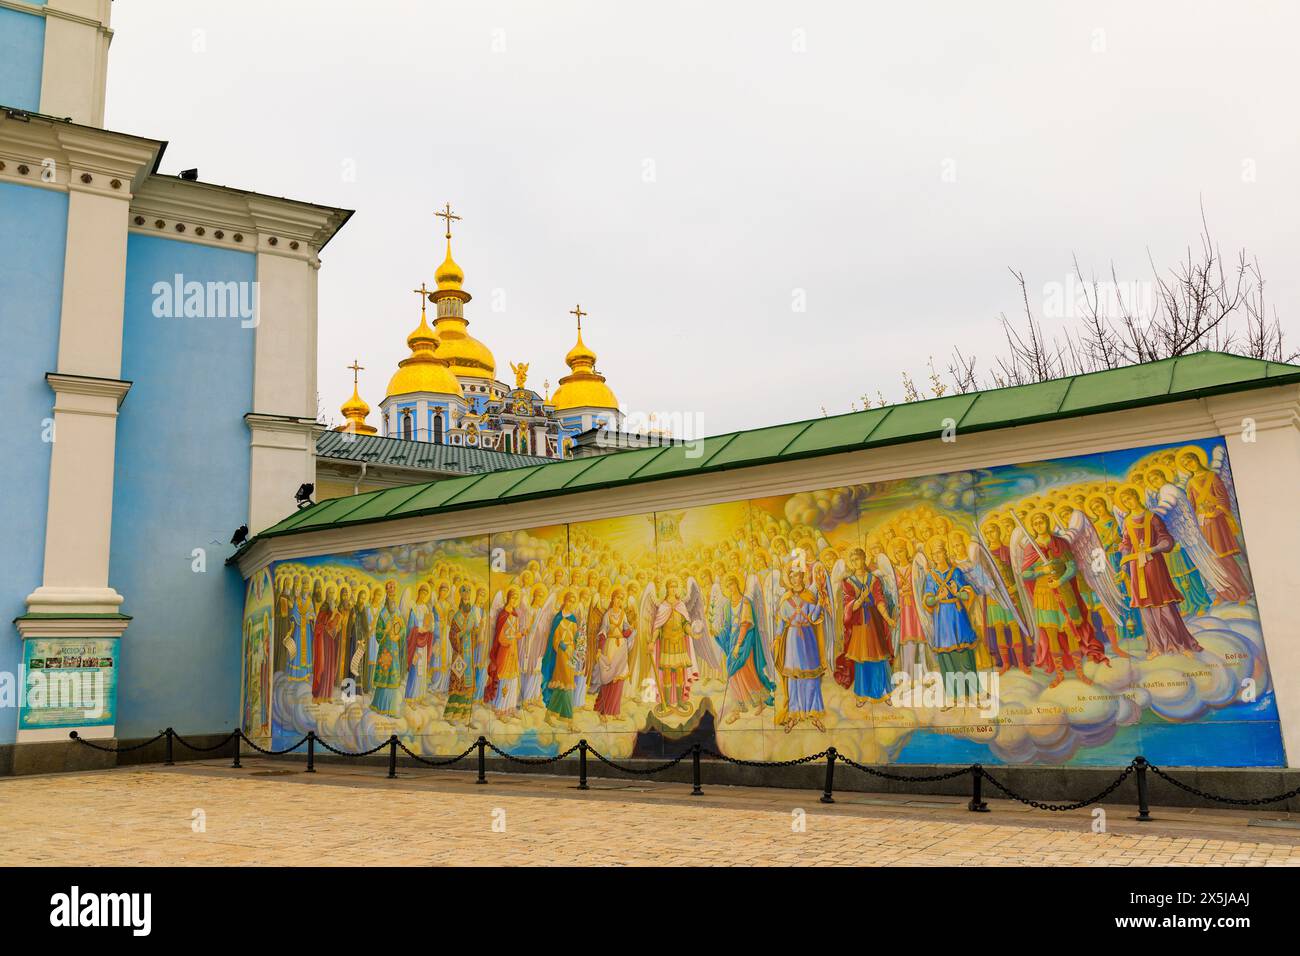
(264, 224)
(90, 386)
(74, 150)
(70, 626)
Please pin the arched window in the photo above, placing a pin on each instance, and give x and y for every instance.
(408, 426)
(437, 427)
(508, 441)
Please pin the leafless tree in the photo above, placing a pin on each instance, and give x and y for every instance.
(1203, 303)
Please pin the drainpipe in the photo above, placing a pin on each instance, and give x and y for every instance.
(361, 476)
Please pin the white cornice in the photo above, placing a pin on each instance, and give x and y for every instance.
(232, 218)
(60, 155)
(64, 384)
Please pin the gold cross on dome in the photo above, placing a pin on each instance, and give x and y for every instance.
(423, 293)
(447, 214)
(577, 310)
(356, 367)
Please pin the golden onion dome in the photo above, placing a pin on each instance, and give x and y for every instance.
(587, 392)
(580, 354)
(583, 387)
(449, 275)
(355, 410)
(465, 354)
(423, 370)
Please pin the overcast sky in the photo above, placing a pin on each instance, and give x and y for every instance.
(693, 173)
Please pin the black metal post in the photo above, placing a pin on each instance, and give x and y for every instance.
(977, 804)
(170, 733)
(695, 772)
(482, 759)
(830, 776)
(1144, 808)
(392, 756)
(311, 751)
(582, 765)
(239, 740)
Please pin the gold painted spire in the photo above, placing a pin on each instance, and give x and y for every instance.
(583, 387)
(467, 356)
(355, 409)
(448, 275)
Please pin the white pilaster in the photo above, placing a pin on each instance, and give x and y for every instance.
(98, 171)
(75, 69)
(78, 527)
(1263, 439)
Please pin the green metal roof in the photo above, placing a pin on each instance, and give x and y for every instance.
(404, 453)
(1153, 383)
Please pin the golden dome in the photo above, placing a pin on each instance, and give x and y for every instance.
(583, 387)
(423, 370)
(587, 392)
(465, 354)
(355, 409)
(449, 275)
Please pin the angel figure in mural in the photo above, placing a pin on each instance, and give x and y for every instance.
(897, 565)
(390, 640)
(865, 664)
(440, 646)
(671, 627)
(764, 587)
(1047, 579)
(800, 649)
(1006, 627)
(356, 637)
(708, 657)
(581, 612)
(422, 624)
(1145, 546)
(746, 649)
(538, 616)
(462, 631)
(946, 594)
(557, 663)
(502, 690)
(973, 560)
(1211, 494)
(1097, 587)
(1190, 550)
(610, 669)
(596, 609)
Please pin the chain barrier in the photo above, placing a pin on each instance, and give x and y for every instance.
(435, 763)
(363, 753)
(1055, 807)
(274, 753)
(185, 743)
(1236, 801)
(765, 763)
(1139, 765)
(530, 761)
(116, 750)
(637, 771)
(926, 778)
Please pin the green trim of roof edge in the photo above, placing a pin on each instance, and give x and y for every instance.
(1275, 374)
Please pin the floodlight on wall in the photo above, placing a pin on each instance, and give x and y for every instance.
(303, 494)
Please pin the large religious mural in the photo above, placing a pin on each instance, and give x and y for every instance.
(1075, 611)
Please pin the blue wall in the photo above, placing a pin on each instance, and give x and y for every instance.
(33, 232)
(22, 52)
(181, 483)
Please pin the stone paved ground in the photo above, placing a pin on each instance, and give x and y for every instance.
(270, 812)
